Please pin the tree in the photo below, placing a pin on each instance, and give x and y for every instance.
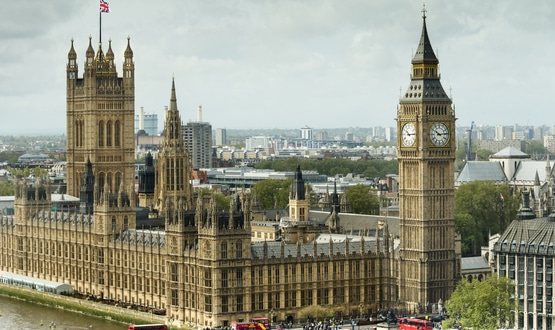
(364, 199)
(485, 304)
(222, 202)
(534, 148)
(10, 157)
(7, 188)
(272, 193)
(483, 154)
(481, 208)
(333, 166)
(315, 312)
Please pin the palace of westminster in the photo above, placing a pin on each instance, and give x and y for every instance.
(203, 266)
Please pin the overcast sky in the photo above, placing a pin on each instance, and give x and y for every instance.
(286, 63)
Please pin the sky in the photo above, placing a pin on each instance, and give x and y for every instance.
(283, 64)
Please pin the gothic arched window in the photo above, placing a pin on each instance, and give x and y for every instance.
(117, 134)
(101, 133)
(101, 180)
(118, 180)
(238, 250)
(223, 247)
(110, 182)
(109, 133)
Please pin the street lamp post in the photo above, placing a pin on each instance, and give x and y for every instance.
(271, 317)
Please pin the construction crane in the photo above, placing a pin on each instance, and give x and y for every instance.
(468, 144)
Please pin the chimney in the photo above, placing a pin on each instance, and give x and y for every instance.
(142, 119)
(199, 114)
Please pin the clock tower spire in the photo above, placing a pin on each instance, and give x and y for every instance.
(426, 144)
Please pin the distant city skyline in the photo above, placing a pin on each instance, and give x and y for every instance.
(286, 64)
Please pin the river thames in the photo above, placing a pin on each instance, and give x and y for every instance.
(17, 314)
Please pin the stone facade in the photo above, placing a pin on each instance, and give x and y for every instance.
(203, 268)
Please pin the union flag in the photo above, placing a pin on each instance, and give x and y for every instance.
(104, 8)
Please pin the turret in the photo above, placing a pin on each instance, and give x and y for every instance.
(87, 190)
(71, 66)
(525, 212)
(89, 61)
(297, 186)
(298, 203)
(334, 204)
(129, 69)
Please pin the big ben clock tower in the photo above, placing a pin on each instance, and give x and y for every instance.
(426, 151)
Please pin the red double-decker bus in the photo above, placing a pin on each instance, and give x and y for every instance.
(407, 323)
(264, 321)
(148, 327)
(246, 326)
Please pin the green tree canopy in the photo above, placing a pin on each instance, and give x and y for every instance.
(7, 188)
(273, 193)
(222, 202)
(333, 166)
(315, 312)
(364, 199)
(484, 305)
(483, 154)
(535, 147)
(10, 157)
(481, 208)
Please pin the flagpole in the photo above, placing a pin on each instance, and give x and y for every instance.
(100, 27)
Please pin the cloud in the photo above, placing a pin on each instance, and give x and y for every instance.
(263, 63)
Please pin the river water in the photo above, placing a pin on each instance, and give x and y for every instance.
(17, 314)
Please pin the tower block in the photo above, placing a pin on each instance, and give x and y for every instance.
(100, 119)
(426, 144)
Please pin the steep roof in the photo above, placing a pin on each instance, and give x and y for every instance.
(473, 263)
(510, 152)
(359, 222)
(535, 236)
(481, 171)
(527, 171)
(424, 52)
(338, 243)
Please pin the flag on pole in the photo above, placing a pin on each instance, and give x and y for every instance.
(502, 198)
(104, 8)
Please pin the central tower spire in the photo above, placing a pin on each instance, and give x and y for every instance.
(174, 166)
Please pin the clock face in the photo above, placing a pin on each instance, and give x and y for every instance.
(408, 134)
(439, 134)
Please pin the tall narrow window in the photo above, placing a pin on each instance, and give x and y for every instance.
(101, 133)
(117, 134)
(109, 133)
(81, 127)
(238, 250)
(223, 250)
(101, 180)
(109, 182)
(77, 133)
(118, 180)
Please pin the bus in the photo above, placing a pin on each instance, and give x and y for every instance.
(246, 326)
(264, 321)
(148, 327)
(407, 323)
